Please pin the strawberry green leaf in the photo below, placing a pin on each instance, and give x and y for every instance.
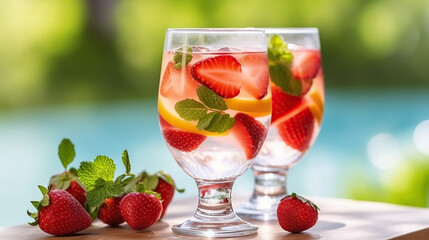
(126, 161)
(220, 123)
(61, 181)
(32, 215)
(43, 190)
(189, 109)
(73, 171)
(45, 201)
(150, 182)
(34, 223)
(66, 152)
(35, 204)
(211, 99)
(141, 187)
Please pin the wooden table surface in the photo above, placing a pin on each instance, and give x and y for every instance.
(338, 219)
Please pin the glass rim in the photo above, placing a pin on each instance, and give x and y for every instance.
(216, 30)
(291, 30)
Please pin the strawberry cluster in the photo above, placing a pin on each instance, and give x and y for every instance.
(76, 197)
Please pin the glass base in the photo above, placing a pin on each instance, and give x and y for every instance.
(223, 228)
(260, 207)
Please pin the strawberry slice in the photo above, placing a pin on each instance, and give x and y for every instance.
(181, 140)
(306, 64)
(171, 86)
(282, 102)
(250, 134)
(257, 75)
(297, 131)
(221, 74)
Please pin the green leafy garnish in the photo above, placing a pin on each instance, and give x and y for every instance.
(102, 167)
(126, 161)
(182, 56)
(209, 113)
(190, 109)
(280, 62)
(66, 152)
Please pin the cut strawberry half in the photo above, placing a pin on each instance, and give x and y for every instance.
(175, 83)
(306, 64)
(256, 74)
(221, 74)
(181, 140)
(250, 134)
(297, 131)
(282, 102)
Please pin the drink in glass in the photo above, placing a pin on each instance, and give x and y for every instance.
(298, 99)
(214, 107)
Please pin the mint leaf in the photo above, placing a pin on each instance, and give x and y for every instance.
(278, 51)
(102, 167)
(282, 77)
(205, 121)
(189, 109)
(179, 57)
(66, 152)
(126, 161)
(220, 123)
(96, 196)
(211, 99)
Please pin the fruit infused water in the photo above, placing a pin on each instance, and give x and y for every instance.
(298, 100)
(297, 89)
(214, 109)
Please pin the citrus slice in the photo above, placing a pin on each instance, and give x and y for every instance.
(170, 115)
(316, 107)
(252, 107)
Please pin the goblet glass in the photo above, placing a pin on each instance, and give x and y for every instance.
(214, 107)
(298, 99)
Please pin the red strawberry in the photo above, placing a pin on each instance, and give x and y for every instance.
(296, 213)
(282, 102)
(59, 213)
(110, 213)
(297, 131)
(166, 191)
(182, 140)
(69, 182)
(257, 75)
(140, 209)
(171, 86)
(306, 64)
(250, 134)
(221, 74)
(160, 182)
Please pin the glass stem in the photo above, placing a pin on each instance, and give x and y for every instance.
(270, 183)
(214, 199)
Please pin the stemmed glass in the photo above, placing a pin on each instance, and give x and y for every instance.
(298, 99)
(214, 107)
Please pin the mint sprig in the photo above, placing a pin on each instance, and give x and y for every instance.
(97, 176)
(209, 112)
(182, 56)
(280, 62)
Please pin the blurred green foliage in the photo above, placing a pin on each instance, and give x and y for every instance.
(54, 52)
(406, 184)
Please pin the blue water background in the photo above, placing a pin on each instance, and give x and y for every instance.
(29, 140)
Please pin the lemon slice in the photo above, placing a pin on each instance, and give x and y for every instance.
(316, 107)
(252, 107)
(170, 115)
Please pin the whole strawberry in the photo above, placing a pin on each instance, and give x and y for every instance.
(68, 180)
(141, 209)
(59, 213)
(110, 213)
(296, 213)
(162, 183)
